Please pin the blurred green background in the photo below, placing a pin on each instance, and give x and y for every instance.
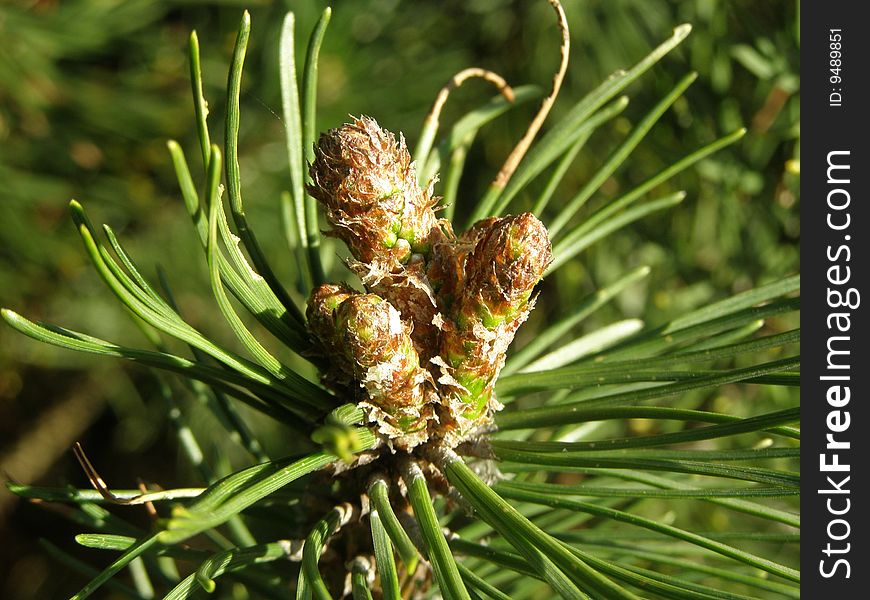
(90, 90)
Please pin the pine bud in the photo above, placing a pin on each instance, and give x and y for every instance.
(446, 270)
(379, 348)
(368, 185)
(508, 260)
(320, 312)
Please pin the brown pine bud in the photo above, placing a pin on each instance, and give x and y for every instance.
(368, 185)
(509, 259)
(320, 312)
(377, 344)
(380, 349)
(446, 270)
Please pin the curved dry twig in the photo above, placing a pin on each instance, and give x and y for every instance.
(513, 160)
(457, 80)
(145, 498)
(431, 122)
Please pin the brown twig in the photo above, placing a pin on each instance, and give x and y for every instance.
(460, 78)
(100, 485)
(430, 124)
(149, 506)
(94, 477)
(516, 155)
